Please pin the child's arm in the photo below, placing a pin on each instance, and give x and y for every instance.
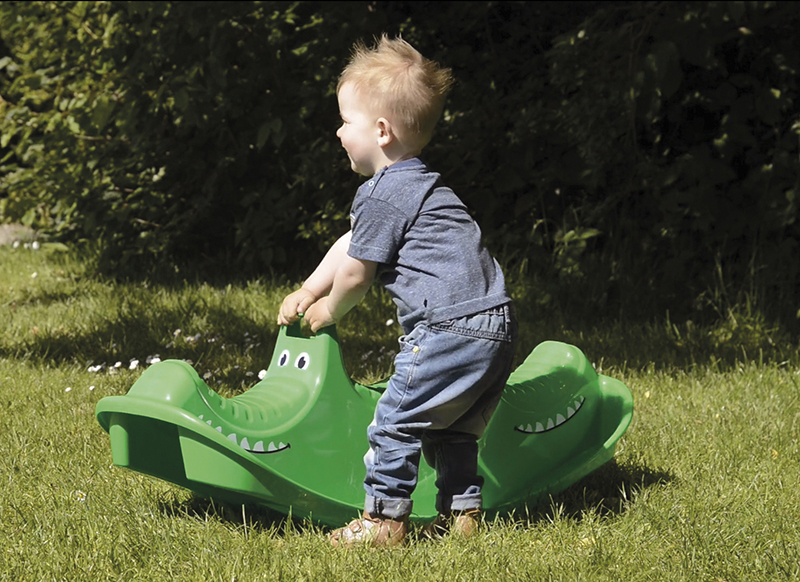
(317, 285)
(350, 283)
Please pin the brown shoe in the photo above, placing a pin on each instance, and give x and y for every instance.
(372, 531)
(458, 523)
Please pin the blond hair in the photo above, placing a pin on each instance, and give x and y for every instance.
(396, 78)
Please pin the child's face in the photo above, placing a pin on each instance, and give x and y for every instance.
(359, 131)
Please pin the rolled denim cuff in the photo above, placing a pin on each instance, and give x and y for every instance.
(393, 508)
(466, 502)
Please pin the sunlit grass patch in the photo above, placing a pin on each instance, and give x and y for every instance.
(703, 486)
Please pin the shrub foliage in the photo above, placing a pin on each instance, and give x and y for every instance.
(615, 154)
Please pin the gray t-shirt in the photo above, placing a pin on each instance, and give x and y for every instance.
(429, 250)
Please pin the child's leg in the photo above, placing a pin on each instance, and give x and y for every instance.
(449, 375)
(454, 456)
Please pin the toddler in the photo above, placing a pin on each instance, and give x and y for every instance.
(415, 235)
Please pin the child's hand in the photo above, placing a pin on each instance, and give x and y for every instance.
(318, 315)
(294, 305)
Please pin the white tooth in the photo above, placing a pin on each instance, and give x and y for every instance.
(232, 437)
(578, 404)
(272, 448)
(521, 428)
(539, 427)
(550, 423)
(200, 417)
(529, 429)
(219, 429)
(560, 419)
(245, 444)
(570, 412)
(208, 422)
(281, 446)
(259, 448)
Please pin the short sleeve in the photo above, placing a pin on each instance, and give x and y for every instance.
(377, 230)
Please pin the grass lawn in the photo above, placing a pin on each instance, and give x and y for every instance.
(703, 487)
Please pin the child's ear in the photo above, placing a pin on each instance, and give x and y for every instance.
(385, 133)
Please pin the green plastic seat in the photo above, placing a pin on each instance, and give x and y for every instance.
(295, 441)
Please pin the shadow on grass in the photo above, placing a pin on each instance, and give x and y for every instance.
(609, 491)
(135, 330)
(137, 322)
(204, 329)
(248, 516)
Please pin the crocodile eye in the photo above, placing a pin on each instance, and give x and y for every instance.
(302, 361)
(284, 359)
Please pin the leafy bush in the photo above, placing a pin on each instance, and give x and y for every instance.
(614, 153)
(168, 129)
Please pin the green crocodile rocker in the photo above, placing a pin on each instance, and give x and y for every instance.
(295, 441)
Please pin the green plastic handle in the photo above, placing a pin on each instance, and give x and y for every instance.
(294, 329)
